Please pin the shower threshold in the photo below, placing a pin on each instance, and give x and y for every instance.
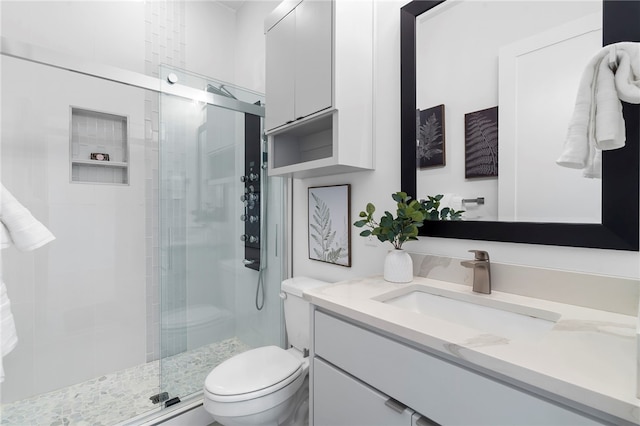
(123, 395)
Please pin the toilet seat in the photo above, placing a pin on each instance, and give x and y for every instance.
(253, 374)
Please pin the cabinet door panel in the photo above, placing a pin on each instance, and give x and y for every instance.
(444, 391)
(280, 72)
(314, 64)
(340, 400)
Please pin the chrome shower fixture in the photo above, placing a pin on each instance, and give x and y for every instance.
(172, 78)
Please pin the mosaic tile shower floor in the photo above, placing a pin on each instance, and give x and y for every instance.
(122, 395)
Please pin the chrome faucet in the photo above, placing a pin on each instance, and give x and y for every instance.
(481, 271)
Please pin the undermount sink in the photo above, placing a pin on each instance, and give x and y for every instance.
(478, 312)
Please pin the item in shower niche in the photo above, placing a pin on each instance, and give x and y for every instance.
(99, 156)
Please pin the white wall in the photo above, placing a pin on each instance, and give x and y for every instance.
(209, 39)
(105, 32)
(377, 186)
(250, 43)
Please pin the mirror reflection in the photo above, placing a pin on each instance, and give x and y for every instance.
(496, 83)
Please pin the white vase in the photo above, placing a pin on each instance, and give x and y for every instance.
(398, 267)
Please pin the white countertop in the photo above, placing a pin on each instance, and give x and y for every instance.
(589, 356)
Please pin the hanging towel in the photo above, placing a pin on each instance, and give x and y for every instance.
(453, 201)
(597, 123)
(25, 231)
(5, 238)
(8, 336)
(20, 228)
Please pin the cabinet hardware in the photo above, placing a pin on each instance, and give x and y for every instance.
(395, 405)
(425, 421)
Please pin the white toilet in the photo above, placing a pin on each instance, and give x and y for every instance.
(267, 385)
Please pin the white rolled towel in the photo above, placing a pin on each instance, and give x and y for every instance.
(26, 232)
(5, 238)
(17, 226)
(8, 335)
(456, 203)
(627, 74)
(609, 124)
(452, 201)
(597, 123)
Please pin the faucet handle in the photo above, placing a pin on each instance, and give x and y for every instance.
(480, 254)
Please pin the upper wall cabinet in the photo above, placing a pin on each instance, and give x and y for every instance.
(319, 87)
(299, 64)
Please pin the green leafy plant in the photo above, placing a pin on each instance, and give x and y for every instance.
(432, 205)
(410, 215)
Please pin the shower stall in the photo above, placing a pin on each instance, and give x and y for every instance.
(147, 285)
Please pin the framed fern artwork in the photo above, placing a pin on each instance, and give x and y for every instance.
(329, 219)
(430, 149)
(481, 143)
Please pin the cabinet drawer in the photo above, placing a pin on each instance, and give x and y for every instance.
(340, 400)
(445, 392)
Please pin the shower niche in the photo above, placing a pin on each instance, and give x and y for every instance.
(99, 147)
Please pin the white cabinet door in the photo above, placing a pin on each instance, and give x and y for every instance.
(447, 393)
(419, 420)
(280, 72)
(313, 87)
(340, 400)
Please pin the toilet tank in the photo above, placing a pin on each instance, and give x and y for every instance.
(296, 309)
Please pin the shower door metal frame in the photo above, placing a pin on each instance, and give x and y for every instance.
(44, 56)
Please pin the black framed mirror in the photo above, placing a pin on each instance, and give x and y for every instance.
(619, 228)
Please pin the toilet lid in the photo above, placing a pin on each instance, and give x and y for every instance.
(254, 370)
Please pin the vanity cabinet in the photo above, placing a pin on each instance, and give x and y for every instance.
(342, 400)
(369, 368)
(319, 87)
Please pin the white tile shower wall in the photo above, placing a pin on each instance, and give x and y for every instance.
(78, 300)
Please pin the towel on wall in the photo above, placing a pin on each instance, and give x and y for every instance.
(453, 201)
(25, 231)
(17, 227)
(597, 123)
(5, 238)
(8, 336)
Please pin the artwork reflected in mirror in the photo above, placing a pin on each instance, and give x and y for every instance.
(481, 143)
(430, 148)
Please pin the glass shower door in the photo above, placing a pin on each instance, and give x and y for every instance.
(207, 308)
